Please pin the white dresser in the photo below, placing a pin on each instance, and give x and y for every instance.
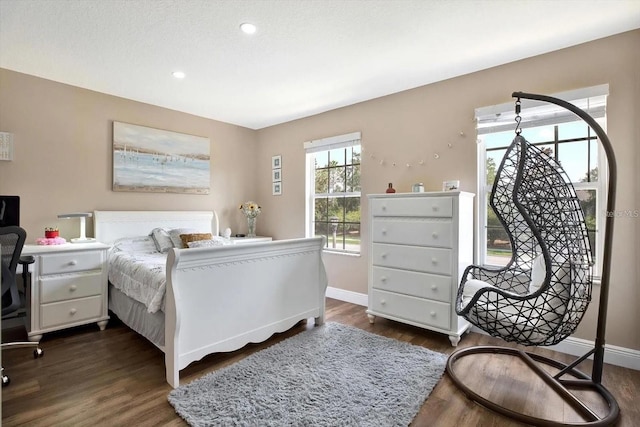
(68, 287)
(420, 245)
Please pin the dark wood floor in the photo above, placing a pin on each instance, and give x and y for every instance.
(116, 378)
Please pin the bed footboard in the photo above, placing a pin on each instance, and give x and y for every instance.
(220, 299)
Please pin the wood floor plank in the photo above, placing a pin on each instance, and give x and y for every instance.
(114, 377)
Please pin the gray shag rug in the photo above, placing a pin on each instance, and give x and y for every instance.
(332, 375)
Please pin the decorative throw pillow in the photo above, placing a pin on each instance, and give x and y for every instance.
(215, 241)
(192, 237)
(161, 239)
(175, 233)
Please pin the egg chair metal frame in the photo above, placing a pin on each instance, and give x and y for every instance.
(546, 315)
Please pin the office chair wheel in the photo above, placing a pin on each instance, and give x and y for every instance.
(38, 352)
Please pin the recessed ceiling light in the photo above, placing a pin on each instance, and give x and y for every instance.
(248, 28)
(178, 74)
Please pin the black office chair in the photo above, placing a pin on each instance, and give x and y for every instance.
(11, 242)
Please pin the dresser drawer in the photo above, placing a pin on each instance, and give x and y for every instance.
(423, 285)
(413, 206)
(65, 287)
(70, 262)
(67, 312)
(427, 312)
(413, 232)
(416, 258)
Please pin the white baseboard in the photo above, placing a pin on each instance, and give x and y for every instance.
(614, 355)
(348, 296)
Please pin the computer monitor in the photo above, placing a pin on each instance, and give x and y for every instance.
(9, 211)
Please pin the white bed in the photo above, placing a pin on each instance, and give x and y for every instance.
(221, 298)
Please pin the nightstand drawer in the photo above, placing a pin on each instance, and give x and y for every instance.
(413, 206)
(413, 232)
(69, 312)
(422, 285)
(420, 310)
(65, 287)
(416, 258)
(70, 262)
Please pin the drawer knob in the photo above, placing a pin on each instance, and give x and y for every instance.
(435, 208)
(384, 255)
(72, 311)
(434, 287)
(384, 207)
(432, 314)
(384, 231)
(73, 262)
(73, 288)
(434, 260)
(383, 302)
(383, 279)
(435, 235)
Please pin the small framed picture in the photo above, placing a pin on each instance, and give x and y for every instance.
(277, 188)
(276, 175)
(276, 162)
(450, 185)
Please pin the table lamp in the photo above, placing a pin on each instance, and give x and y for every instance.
(82, 215)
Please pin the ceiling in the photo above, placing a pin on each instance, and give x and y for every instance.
(307, 56)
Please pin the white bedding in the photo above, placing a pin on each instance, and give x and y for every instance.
(138, 270)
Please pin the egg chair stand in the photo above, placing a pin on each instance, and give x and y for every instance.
(540, 297)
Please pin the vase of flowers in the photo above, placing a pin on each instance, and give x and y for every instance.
(251, 210)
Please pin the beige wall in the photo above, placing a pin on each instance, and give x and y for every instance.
(63, 154)
(413, 126)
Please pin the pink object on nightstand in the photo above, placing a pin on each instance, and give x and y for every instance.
(51, 241)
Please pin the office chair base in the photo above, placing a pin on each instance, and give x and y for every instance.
(559, 385)
(37, 352)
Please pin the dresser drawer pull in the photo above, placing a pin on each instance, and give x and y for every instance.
(434, 235)
(434, 260)
(383, 279)
(382, 302)
(435, 209)
(72, 288)
(434, 287)
(73, 262)
(432, 314)
(72, 311)
(384, 231)
(384, 207)
(383, 255)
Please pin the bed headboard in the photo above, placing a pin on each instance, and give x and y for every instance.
(112, 225)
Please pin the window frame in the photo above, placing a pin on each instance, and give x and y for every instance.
(600, 187)
(312, 149)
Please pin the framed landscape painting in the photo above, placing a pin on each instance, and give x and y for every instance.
(160, 161)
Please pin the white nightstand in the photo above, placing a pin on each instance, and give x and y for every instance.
(68, 287)
(245, 240)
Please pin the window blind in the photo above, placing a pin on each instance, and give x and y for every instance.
(501, 118)
(331, 143)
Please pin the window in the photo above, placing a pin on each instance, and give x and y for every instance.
(561, 135)
(333, 191)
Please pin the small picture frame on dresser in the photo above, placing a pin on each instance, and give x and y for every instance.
(450, 185)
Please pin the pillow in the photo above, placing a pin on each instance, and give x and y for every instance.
(175, 233)
(214, 241)
(538, 273)
(142, 244)
(161, 239)
(192, 237)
